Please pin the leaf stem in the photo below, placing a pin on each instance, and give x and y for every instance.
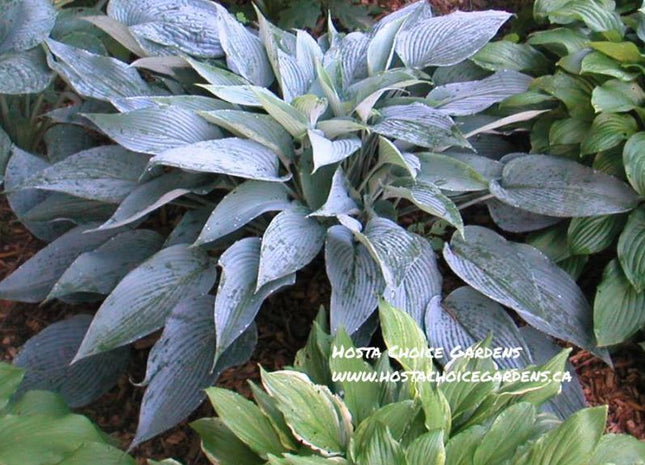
(475, 201)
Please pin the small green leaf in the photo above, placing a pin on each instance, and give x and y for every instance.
(631, 245)
(607, 131)
(634, 161)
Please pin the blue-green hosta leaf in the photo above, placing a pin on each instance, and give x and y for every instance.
(608, 130)
(328, 152)
(315, 416)
(188, 26)
(33, 280)
(393, 248)
(466, 317)
(355, 279)
(634, 161)
(63, 140)
(555, 186)
(630, 249)
(20, 166)
(290, 242)
(156, 193)
(543, 349)
(233, 156)
(516, 220)
(523, 278)
(593, 234)
(352, 56)
(461, 72)
(428, 198)
(243, 204)
(468, 98)
(245, 54)
(142, 301)
(294, 121)
(46, 358)
(5, 153)
(618, 307)
(100, 270)
(422, 282)
(380, 50)
(336, 127)
(188, 229)
(117, 31)
(339, 201)
(419, 124)
(449, 173)
(257, 127)
(153, 130)
(239, 295)
(311, 106)
(95, 76)
(367, 92)
(242, 94)
(180, 366)
(107, 174)
(215, 75)
(24, 72)
(25, 23)
(185, 102)
(448, 40)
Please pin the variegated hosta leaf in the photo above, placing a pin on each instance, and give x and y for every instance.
(156, 193)
(239, 295)
(468, 98)
(388, 153)
(420, 125)
(180, 366)
(466, 317)
(246, 421)
(448, 40)
(339, 200)
(100, 270)
(194, 103)
(618, 448)
(25, 24)
(188, 26)
(380, 50)
(233, 156)
(351, 56)
(327, 152)
(242, 205)
(315, 416)
(422, 282)
(523, 278)
(24, 72)
(543, 349)
(153, 130)
(290, 242)
(245, 54)
(593, 234)
(428, 198)
(428, 445)
(33, 280)
(516, 220)
(107, 173)
(46, 358)
(311, 106)
(631, 252)
(236, 94)
(355, 279)
(555, 186)
(220, 444)
(367, 92)
(257, 127)
(294, 121)
(142, 301)
(95, 76)
(634, 161)
(215, 75)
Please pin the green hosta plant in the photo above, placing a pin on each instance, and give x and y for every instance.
(595, 97)
(278, 148)
(37, 428)
(302, 419)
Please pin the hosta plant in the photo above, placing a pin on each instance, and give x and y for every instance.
(301, 419)
(595, 98)
(37, 428)
(276, 148)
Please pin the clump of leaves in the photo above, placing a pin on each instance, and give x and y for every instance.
(301, 14)
(303, 418)
(277, 147)
(595, 98)
(37, 428)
